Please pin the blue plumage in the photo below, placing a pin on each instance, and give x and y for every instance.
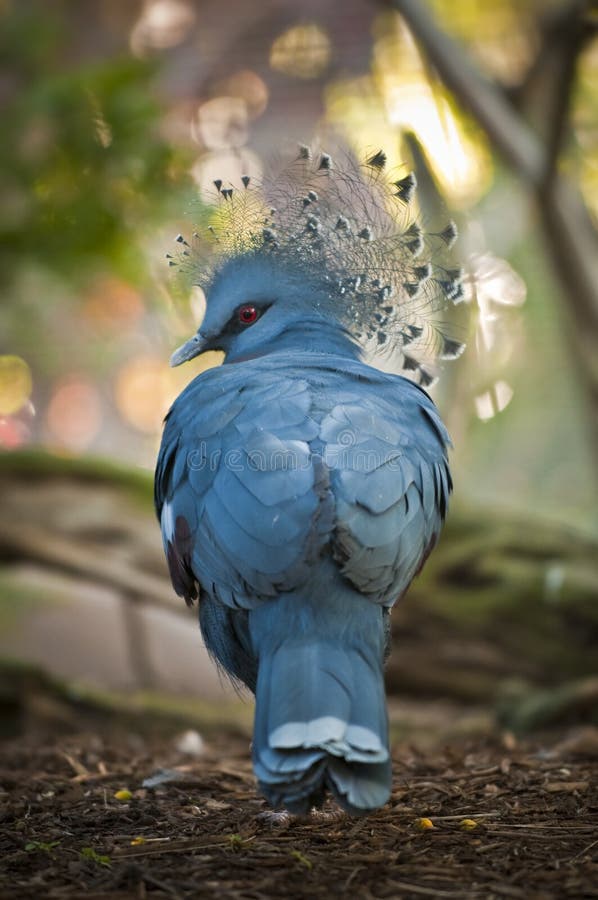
(299, 491)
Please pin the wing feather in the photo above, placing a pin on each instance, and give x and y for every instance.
(390, 500)
(264, 465)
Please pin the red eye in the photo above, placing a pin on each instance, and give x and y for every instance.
(248, 315)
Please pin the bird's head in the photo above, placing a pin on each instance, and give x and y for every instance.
(322, 257)
(257, 305)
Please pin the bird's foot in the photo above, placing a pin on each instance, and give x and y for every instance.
(331, 813)
(282, 818)
(275, 818)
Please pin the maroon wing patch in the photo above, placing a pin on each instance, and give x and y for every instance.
(178, 554)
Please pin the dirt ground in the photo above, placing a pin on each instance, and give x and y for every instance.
(484, 819)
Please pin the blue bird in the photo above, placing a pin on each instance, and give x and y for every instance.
(299, 489)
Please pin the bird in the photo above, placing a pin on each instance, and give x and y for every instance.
(300, 488)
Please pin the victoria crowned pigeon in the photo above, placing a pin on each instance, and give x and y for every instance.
(299, 489)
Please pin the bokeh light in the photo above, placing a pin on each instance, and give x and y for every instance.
(74, 414)
(15, 384)
(356, 110)
(162, 24)
(142, 392)
(16, 430)
(221, 123)
(497, 281)
(113, 305)
(13, 433)
(197, 304)
(493, 401)
(301, 52)
(460, 161)
(398, 97)
(456, 162)
(499, 291)
(249, 87)
(146, 386)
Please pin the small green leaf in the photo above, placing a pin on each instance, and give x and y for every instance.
(94, 856)
(235, 841)
(296, 854)
(45, 846)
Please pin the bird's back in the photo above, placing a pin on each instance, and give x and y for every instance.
(270, 461)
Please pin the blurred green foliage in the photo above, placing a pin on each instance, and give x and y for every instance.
(84, 171)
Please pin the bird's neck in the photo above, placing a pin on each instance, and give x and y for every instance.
(309, 337)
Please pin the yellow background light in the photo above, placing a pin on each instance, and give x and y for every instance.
(15, 384)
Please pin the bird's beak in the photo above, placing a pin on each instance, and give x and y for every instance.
(196, 345)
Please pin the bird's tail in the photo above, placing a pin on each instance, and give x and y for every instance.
(321, 721)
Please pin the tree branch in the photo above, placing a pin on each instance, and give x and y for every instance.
(544, 95)
(569, 233)
(512, 137)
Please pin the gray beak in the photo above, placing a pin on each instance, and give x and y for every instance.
(196, 345)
